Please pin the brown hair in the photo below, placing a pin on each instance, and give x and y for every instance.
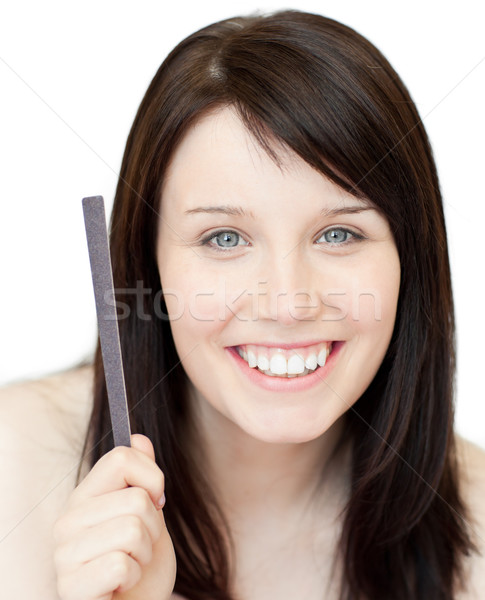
(328, 94)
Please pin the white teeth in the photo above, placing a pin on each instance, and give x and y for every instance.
(277, 364)
(295, 365)
(322, 357)
(252, 359)
(311, 362)
(263, 363)
(289, 376)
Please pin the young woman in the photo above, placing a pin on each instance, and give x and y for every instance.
(279, 251)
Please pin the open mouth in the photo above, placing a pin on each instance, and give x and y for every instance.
(274, 369)
(285, 363)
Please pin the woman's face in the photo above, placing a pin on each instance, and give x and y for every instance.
(278, 264)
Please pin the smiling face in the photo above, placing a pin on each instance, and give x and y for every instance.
(266, 269)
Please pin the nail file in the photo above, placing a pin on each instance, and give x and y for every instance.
(98, 247)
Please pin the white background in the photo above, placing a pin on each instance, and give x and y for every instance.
(71, 78)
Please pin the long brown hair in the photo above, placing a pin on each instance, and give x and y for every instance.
(327, 93)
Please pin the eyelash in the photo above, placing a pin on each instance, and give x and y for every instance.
(206, 240)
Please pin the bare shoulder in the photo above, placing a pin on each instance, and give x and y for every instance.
(471, 461)
(59, 401)
(42, 428)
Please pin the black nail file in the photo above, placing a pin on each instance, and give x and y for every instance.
(97, 236)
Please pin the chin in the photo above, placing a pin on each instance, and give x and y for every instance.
(277, 430)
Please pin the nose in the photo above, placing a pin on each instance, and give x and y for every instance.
(288, 290)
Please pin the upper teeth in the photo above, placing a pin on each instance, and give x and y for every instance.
(277, 361)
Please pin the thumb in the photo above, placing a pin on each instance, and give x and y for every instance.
(143, 444)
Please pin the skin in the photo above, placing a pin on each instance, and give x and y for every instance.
(107, 539)
(280, 280)
(308, 289)
(38, 459)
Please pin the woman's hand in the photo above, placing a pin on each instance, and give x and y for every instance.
(112, 542)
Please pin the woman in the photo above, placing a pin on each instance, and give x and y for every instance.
(289, 354)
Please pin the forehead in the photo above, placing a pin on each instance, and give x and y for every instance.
(220, 141)
(219, 158)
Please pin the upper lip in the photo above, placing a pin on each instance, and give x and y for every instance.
(285, 345)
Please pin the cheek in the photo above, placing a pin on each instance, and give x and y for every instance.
(194, 301)
(374, 292)
(372, 317)
(362, 297)
(372, 305)
(370, 314)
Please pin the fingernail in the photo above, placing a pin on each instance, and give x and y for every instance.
(161, 502)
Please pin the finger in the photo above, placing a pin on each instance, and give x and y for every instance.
(93, 511)
(127, 534)
(120, 468)
(98, 579)
(143, 444)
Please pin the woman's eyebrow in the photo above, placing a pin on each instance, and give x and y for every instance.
(345, 210)
(238, 211)
(235, 211)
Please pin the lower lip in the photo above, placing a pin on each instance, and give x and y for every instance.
(286, 384)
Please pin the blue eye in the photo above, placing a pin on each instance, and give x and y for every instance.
(226, 239)
(339, 235)
(223, 239)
